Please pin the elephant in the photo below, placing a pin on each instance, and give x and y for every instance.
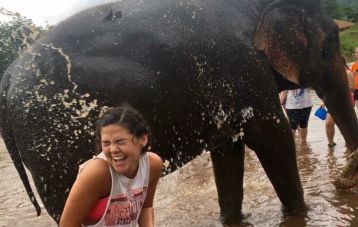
(205, 74)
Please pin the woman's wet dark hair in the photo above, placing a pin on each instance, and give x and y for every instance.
(125, 116)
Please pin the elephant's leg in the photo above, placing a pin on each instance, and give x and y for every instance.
(274, 145)
(228, 168)
(53, 187)
(281, 168)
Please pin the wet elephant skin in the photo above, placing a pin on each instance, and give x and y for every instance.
(202, 73)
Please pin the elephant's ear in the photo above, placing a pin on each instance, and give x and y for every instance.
(281, 35)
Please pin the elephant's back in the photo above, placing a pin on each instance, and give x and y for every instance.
(114, 28)
(163, 57)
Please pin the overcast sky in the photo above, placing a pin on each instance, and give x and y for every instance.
(50, 11)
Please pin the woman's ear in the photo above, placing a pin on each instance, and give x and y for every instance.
(280, 36)
(143, 140)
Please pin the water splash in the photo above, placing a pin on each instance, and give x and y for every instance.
(78, 106)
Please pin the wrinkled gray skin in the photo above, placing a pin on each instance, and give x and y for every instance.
(205, 74)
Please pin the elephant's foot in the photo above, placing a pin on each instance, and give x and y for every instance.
(242, 224)
(352, 166)
(298, 209)
(349, 176)
(346, 183)
(232, 220)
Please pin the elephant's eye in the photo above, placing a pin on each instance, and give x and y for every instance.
(325, 53)
(329, 45)
(325, 50)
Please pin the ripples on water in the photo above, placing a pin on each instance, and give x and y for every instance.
(188, 197)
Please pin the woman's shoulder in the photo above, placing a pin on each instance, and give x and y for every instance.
(95, 175)
(155, 162)
(95, 167)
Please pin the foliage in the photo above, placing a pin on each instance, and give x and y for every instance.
(15, 37)
(351, 3)
(342, 9)
(333, 8)
(349, 40)
(345, 10)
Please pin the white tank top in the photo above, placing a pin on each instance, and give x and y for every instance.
(127, 196)
(298, 99)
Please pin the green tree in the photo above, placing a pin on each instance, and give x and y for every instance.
(350, 13)
(349, 40)
(15, 37)
(333, 8)
(351, 3)
(342, 9)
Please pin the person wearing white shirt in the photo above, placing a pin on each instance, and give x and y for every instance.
(298, 105)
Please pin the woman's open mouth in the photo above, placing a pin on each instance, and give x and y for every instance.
(119, 159)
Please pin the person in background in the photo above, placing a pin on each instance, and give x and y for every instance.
(298, 107)
(354, 70)
(282, 97)
(116, 187)
(330, 123)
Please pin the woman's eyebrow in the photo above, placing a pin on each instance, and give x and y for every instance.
(116, 139)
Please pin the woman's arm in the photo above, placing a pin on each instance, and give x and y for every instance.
(92, 183)
(351, 81)
(146, 217)
(283, 95)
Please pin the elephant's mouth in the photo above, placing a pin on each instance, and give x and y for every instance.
(283, 83)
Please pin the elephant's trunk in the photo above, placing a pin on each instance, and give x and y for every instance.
(338, 99)
(340, 107)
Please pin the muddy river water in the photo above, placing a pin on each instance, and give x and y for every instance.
(188, 196)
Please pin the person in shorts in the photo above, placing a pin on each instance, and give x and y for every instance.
(298, 106)
(330, 123)
(354, 70)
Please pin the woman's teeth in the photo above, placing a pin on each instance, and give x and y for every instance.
(119, 158)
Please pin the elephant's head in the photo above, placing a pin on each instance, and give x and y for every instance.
(302, 45)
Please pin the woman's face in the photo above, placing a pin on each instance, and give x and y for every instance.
(122, 149)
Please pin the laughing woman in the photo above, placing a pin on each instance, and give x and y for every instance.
(116, 187)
